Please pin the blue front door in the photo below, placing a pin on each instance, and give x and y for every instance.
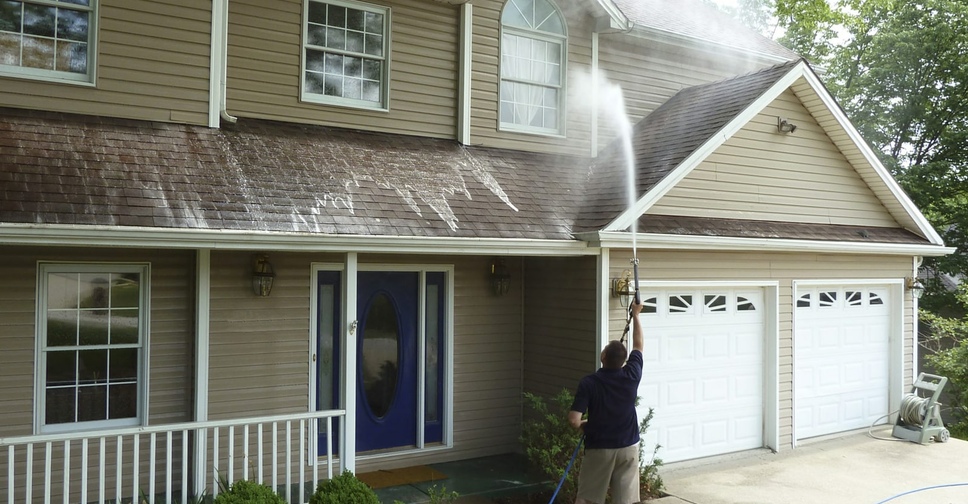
(386, 397)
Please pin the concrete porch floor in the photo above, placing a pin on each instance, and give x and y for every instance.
(848, 469)
(477, 481)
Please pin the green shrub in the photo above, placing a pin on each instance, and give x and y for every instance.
(649, 479)
(549, 441)
(441, 495)
(343, 489)
(248, 492)
(947, 353)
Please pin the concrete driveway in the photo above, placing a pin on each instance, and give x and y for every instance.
(850, 469)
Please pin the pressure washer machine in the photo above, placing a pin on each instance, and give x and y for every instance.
(919, 418)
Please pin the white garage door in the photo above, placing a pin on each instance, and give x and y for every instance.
(841, 351)
(703, 371)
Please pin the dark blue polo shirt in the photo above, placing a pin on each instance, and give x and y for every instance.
(609, 397)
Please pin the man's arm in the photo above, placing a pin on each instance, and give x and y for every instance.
(638, 339)
(574, 419)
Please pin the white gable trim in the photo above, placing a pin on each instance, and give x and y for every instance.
(625, 220)
(618, 19)
(649, 241)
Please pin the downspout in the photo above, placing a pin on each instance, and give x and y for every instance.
(916, 263)
(219, 64)
(464, 91)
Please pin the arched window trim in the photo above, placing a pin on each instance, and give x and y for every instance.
(545, 36)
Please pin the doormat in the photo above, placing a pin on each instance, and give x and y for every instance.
(403, 476)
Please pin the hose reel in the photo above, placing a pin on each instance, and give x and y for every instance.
(919, 418)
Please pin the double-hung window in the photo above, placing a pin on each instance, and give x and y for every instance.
(345, 54)
(533, 43)
(91, 352)
(48, 39)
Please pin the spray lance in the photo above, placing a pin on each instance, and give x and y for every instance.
(628, 315)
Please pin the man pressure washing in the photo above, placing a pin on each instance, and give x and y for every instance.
(612, 429)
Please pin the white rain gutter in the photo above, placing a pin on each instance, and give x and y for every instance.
(726, 243)
(218, 65)
(164, 238)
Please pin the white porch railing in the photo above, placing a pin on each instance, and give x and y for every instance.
(174, 463)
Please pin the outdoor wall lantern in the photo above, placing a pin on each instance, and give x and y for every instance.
(623, 288)
(262, 276)
(784, 126)
(915, 286)
(500, 277)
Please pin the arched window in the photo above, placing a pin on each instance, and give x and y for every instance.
(533, 44)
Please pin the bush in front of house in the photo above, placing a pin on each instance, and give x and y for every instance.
(248, 492)
(343, 489)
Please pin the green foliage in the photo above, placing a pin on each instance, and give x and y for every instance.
(651, 482)
(947, 345)
(441, 495)
(247, 492)
(549, 440)
(343, 489)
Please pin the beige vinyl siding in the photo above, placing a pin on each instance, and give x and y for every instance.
(560, 330)
(264, 72)
(696, 266)
(152, 64)
(260, 347)
(170, 338)
(650, 72)
(761, 174)
(485, 81)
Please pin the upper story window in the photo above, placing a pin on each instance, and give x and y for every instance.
(48, 39)
(91, 340)
(345, 49)
(533, 43)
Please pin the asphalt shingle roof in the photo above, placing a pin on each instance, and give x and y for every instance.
(666, 137)
(741, 228)
(275, 177)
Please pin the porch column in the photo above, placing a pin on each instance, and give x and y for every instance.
(348, 378)
(203, 283)
(601, 299)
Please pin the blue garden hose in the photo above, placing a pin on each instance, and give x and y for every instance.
(919, 490)
(567, 468)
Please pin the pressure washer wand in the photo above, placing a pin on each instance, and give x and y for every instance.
(635, 272)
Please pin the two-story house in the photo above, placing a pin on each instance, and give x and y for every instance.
(268, 239)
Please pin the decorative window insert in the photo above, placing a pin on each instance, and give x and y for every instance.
(680, 304)
(827, 299)
(875, 299)
(49, 39)
(650, 305)
(533, 55)
(744, 304)
(345, 54)
(92, 335)
(804, 301)
(714, 303)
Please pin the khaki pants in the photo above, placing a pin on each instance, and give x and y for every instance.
(605, 468)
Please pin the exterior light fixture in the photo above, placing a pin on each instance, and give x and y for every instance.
(623, 288)
(262, 276)
(500, 277)
(915, 286)
(784, 126)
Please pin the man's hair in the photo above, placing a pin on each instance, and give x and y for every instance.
(615, 354)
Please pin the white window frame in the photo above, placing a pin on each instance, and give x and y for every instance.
(86, 79)
(305, 96)
(40, 358)
(561, 39)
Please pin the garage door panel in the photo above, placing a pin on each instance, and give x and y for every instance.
(841, 354)
(704, 377)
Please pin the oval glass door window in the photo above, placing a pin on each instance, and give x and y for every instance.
(381, 342)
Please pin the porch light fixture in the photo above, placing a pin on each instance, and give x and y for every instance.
(784, 126)
(623, 288)
(500, 277)
(262, 276)
(915, 286)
